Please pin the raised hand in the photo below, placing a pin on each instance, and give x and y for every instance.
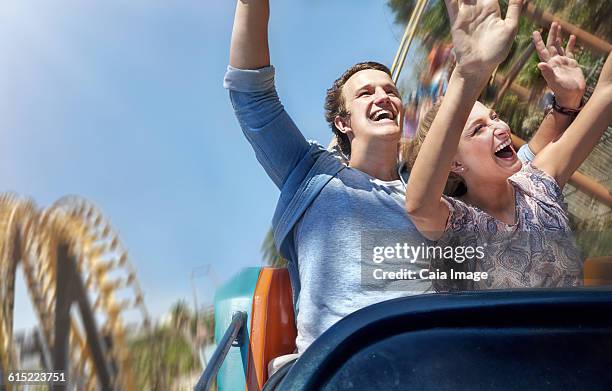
(482, 39)
(561, 72)
(561, 158)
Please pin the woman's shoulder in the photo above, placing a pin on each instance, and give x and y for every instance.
(537, 184)
(464, 217)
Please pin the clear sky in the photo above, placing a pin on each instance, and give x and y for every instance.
(121, 102)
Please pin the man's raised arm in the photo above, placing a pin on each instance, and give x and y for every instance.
(278, 144)
(249, 48)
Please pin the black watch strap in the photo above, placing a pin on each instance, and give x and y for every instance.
(566, 111)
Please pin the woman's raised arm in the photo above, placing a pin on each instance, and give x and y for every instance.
(482, 40)
(561, 158)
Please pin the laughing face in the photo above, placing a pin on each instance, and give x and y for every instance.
(375, 107)
(485, 150)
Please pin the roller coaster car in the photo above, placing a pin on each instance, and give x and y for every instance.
(504, 340)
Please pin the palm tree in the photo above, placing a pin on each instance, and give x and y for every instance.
(167, 353)
(180, 315)
(161, 356)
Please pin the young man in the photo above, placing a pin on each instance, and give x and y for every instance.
(327, 210)
(325, 207)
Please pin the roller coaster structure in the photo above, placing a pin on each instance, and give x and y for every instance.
(69, 254)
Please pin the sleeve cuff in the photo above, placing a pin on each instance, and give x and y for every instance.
(249, 80)
(525, 154)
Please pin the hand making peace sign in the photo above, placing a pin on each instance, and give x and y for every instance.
(561, 72)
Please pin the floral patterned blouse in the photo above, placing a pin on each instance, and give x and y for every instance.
(537, 251)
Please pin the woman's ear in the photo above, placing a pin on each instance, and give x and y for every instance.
(343, 125)
(457, 167)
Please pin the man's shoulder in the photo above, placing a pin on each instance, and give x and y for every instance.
(314, 169)
(332, 155)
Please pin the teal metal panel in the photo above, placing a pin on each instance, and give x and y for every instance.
(234, 295)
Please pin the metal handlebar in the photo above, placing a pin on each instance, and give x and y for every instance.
(232, 337)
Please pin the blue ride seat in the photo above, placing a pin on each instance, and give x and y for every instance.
(488, 340)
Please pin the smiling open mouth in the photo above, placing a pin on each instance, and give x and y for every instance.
(505, 153)
(504, 150)
(382, 115)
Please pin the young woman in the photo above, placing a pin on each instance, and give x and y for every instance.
(515, 213)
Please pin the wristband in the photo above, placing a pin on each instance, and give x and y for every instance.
(564, 110)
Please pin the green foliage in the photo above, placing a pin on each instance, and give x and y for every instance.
(180, 314)
(169, 352)
(512, 110)
(207, 320)
(205, 333)
(160, 357)
(434, 24)
(592, 15)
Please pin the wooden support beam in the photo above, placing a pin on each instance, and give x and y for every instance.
(589, 186)
(71, 290)
(63, 301)
(586, 39)
(516, 67)
(522, 92)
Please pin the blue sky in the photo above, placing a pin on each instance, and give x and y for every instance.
(122, 103)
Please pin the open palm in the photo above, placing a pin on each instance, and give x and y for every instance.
(561, 72)
(482, 39)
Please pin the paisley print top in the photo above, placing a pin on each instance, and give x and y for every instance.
(537, 251)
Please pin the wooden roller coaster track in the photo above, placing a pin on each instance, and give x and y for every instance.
(69, 254)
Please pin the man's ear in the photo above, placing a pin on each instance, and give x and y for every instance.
(343, 125)
(457, 167)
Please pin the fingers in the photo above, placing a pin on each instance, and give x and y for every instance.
(569, 49)
(551, 40)
(552, 34)
(554, 43)
(558, 46)
(555, 38)
(514, 12)
(452, 7)
(547, 71)
(541, 49)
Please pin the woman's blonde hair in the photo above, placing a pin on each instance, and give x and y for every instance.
(455, 186)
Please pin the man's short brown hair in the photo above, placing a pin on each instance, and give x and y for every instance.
(335, 105)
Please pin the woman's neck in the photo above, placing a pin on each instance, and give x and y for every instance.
(497, 199)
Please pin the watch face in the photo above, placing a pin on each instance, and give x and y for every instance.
(548, 109)
(547, 99)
